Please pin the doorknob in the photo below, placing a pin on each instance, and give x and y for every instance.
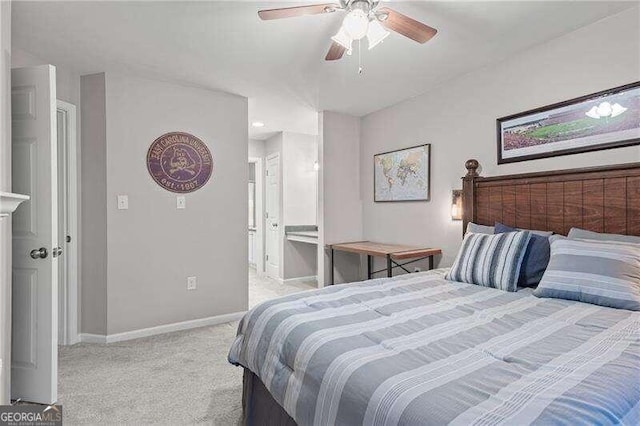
(56, 252)
(40, 253)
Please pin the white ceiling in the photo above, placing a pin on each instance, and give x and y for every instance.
(279, 65)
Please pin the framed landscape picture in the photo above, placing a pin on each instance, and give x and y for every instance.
(603, 120)
(402, 175)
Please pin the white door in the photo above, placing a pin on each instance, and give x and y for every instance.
(272, 260)
(67, 224)
(34, 345)
(61, 121)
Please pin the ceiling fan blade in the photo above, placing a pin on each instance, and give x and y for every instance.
(291, 12)
(335, 52)
(406, 26)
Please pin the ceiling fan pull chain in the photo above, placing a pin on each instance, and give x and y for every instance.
(360, 69)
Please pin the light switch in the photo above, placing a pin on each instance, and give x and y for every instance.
(181, 202)
(123, 202)
(192, 283)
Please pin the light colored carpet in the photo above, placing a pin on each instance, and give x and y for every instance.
(176, 378)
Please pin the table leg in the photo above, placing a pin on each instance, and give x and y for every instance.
(430, 262)
(369, 266)
(389, 266)
(332, 276)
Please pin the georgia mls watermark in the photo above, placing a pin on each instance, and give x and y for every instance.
(30, 414)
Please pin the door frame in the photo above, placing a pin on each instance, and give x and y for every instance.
(259, 211)
(280, 213)
(70, 288)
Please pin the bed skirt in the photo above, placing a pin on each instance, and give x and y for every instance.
(258, 406)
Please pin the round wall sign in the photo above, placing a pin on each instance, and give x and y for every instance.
(179, 162)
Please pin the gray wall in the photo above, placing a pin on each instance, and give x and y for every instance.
(93, 269)
(340, 209)
(458, 119)
(152, 246)
(5, 185)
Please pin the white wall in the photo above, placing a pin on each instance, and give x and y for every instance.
(256, 148)
(5, 185)
(152, 246)
(340, 202)
(298, 198)
(299, 182)
(299, 178)
(458, 119)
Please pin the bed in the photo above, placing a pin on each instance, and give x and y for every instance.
(419, 349)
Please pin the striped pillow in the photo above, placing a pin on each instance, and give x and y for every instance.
(596, 272)
(490, 260)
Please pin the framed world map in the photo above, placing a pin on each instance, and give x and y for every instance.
(402, 175)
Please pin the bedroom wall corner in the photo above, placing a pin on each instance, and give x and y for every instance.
(153, 247)
(458, 118)
(339, 197)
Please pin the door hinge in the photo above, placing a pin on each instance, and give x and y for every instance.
(68, 238)
(266, 257)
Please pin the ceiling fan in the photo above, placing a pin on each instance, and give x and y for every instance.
(363, 19)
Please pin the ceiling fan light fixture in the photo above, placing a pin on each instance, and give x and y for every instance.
(376, 33)
(356, 24)
(382, 16)
(343, 39)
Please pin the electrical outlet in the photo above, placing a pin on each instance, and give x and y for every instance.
(192, 283)
(123, 202)
(181, 202)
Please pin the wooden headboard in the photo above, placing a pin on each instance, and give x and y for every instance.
(601, 199)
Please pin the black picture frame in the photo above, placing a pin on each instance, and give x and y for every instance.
(428, 191)
(559, 152)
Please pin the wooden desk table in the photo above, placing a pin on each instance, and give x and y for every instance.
(392, 252)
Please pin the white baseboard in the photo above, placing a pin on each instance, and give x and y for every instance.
(92, 338)
(161, 329)
(291, 280)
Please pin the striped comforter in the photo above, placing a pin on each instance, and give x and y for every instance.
(418, 350)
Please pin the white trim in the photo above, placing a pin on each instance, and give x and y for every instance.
(9, 202)
(161, 329)
(70, 253)
(92, 338)
(308, 278)
(259, 210)
(302, 239)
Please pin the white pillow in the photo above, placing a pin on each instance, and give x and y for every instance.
(577, 233)
(480, 229)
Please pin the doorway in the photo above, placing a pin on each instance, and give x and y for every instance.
(256, 216)
(272, 217)
(67, 223)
